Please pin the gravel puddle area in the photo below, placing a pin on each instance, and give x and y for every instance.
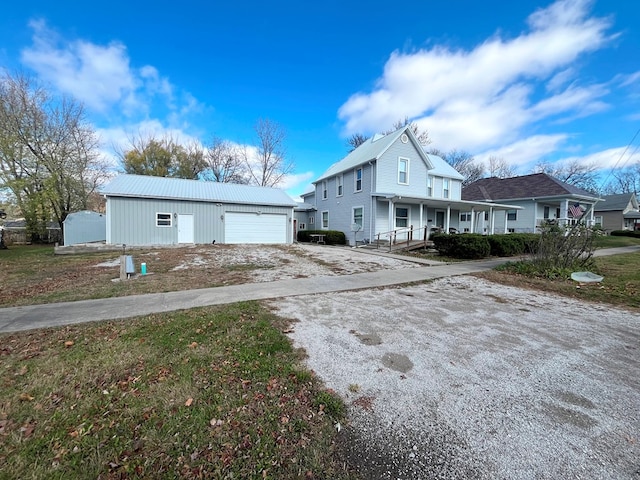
(465, 379)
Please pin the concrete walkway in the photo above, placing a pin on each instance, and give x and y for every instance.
(56, 314)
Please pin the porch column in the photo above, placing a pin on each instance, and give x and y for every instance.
(535, 217)
(506, 215)
(448, 221)
(391, 215)
(473, 220)
(421, 213)
(565, 211)
(492, 220)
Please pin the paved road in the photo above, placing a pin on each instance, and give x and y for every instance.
(55, 314)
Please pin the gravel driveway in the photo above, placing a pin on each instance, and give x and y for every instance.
(463, 379)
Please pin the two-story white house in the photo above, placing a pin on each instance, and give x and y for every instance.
(390, 184)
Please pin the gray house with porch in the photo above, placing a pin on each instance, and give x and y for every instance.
(389, 188)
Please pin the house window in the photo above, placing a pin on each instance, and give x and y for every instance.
(324, 189)
(465, 217)
(358, 180)
(358, 213)
(512, 215)
(430, 186)
(163, 219)
(403, 171)
(511, 230)
(402, 217)
(445, 188)
(545, 215)
(325, 219)
(312, 220)
(302, 226)
(486, 216)
(339, 181)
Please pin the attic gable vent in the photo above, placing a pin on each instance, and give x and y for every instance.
(404, 138)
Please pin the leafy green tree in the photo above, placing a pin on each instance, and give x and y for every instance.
(163, 157)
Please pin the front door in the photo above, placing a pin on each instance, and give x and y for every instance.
(440, 219)
(402, 221)
(185, 228)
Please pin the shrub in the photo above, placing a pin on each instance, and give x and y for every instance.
(331, 237)
(468, 246)
(626, 233)
(508, 245)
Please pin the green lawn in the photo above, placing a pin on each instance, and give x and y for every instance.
(204, 393)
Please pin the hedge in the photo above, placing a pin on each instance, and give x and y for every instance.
(331, 237)
(626, 233)
(508, 245)
(468, 245)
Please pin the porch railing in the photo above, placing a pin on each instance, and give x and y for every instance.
(413, 236)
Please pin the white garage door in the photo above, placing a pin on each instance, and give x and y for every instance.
(254, 228)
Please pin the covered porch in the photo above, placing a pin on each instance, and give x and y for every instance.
(399, 217)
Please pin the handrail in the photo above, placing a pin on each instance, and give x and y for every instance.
(393, 235)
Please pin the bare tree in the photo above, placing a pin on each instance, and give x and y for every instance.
(625, 180)
(270, 165)
(49, 158)
(499, 168)
(464, 163)
(581, 175)
(357, 139)
(225, 162)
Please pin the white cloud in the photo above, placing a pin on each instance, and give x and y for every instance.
(482, 98)
(101, 76)
(527, 152)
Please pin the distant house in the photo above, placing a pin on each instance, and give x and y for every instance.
(390, 184)
(618, 212)
(540, 197)
(15, 231)
(146, 210)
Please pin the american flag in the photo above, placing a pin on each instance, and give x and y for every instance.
(575, 210)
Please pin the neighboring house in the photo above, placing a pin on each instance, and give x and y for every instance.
(541, 197)
(389, 183)
(618, 212)
(15, 231)
(146, 210)
(85, 227)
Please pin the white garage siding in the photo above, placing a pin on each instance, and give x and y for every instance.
(255, 228)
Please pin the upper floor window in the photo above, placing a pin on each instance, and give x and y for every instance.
(430, 186)
(339, 181)
(324, 190)
(358, 179)
(403, 171)
(445, 188)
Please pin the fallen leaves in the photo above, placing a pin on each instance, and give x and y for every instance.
(69, 343)
(188, 402)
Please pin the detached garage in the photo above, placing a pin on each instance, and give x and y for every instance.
(145, 210)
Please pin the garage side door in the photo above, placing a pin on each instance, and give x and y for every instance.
(254, 228)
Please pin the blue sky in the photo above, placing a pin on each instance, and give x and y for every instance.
(524, 81)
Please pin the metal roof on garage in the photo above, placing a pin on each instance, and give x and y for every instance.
(145, 186)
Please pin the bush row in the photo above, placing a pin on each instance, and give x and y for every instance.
(331, 237)
(473, 245)
(626, 233)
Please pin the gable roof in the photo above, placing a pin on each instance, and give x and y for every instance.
(372, 149)
(617, 202)
(146, 186)
(536, 185)
(442, 169)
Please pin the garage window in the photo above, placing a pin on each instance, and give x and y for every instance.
(163, 219)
